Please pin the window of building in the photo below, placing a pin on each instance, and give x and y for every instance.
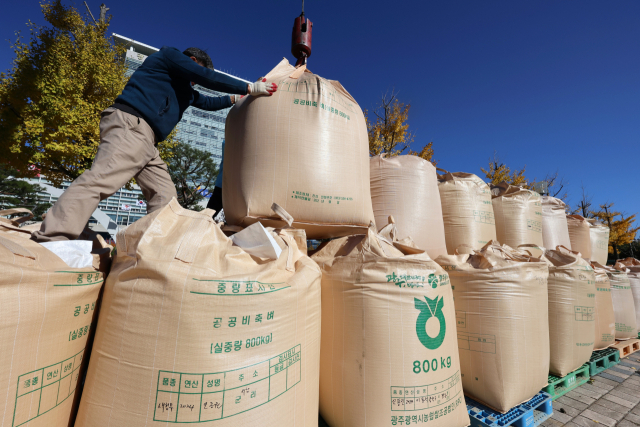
(208, 134)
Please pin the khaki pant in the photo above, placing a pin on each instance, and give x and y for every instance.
(126, 150)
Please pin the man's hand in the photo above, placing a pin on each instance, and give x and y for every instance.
(260, 88)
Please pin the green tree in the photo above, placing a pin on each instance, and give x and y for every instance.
(193, 172)
(18, 193)
(52, 97)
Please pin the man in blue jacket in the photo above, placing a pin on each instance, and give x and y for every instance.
(150, 106)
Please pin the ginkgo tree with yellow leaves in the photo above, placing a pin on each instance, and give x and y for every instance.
(621, 227)
(499, 172)
(60, 80)
(389, 131)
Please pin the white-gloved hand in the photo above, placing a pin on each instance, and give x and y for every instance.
(261, 88)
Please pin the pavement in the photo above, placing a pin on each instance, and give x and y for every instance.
(611, 398)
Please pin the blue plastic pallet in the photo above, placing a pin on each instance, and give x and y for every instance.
(530, 414)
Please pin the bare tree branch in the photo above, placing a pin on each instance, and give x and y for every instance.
(584, 205)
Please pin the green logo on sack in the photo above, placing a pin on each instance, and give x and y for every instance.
(433, 281)
(431, 309)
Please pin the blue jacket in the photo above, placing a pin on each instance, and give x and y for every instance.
(160, 89)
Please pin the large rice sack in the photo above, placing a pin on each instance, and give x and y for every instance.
(47, 314)
(518, 214)
(389, 352)
(555, 231)
(623, 305)
(605, 317)
(580, 235)
(306, 148)
(467, 211)
(599, 236)
(572, 305)
(632, 267)
(194, 329)
(502, 313)
(406, 188)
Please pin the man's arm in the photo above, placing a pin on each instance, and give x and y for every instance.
(210, 103)
(180, 65)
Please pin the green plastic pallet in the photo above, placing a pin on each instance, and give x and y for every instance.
(560, 386)
(602, 359)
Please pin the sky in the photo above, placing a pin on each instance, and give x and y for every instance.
(550, 85)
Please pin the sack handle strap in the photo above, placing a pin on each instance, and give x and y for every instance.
(298, 72)
(10, 226)
(14, 211)
(531, 245)
(293, 246)
(284, 215)
(232, 228)
(444, 173)
(514, 256)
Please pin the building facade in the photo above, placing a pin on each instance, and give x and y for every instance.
(123, 207)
